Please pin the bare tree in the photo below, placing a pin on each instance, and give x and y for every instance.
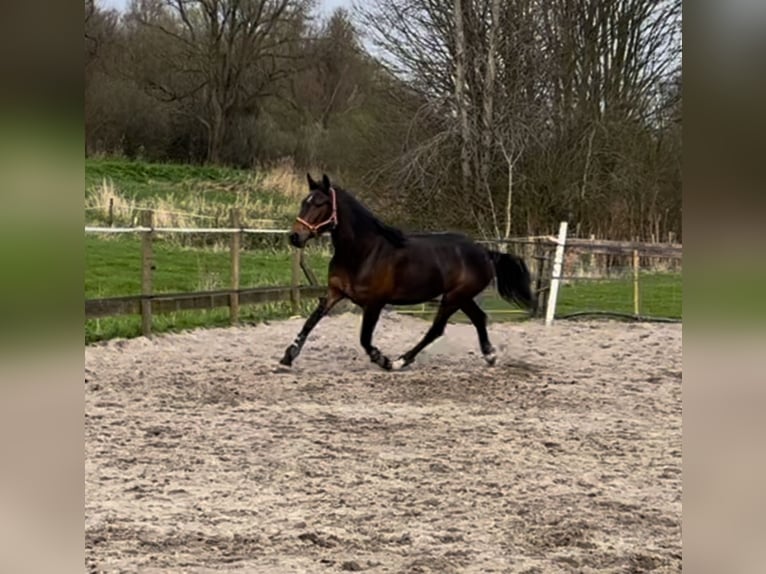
(608, 62)
(455, 55)
(553, 106)
(100, 30)
(334, 72)
(225, 54)
(521, 113)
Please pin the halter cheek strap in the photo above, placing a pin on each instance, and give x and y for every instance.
(314, 228)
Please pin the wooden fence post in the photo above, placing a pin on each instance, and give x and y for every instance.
(147, 266)
(307, 271)
(295, 296)
(236, 241)
(636, 308)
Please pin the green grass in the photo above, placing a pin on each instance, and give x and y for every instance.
(149, 180)
(204, 193)
(138, 171)
(659, 295)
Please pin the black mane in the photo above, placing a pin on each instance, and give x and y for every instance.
(362, 218)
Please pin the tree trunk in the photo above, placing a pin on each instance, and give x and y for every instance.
(509, 199)
(216, 134)
(460, 102)
(485, 156)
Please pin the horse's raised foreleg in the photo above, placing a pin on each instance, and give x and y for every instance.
(325, 304)
(370, 319)
(446, 310)
(479, 320)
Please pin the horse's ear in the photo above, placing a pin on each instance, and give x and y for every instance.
(326, 182)
(312, 183)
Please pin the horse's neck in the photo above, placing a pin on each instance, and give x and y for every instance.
(353, 241)
(356, 243)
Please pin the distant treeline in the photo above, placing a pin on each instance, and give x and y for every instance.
(495, 117)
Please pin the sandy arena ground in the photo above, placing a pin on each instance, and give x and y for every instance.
(203, 456)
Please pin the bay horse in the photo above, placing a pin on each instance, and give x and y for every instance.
(375, 264)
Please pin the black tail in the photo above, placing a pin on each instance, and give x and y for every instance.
(513, 279)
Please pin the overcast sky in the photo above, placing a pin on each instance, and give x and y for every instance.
(326, 5)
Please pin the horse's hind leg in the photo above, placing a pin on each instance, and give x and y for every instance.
(479, 320)
(446, 310)
(370, 319)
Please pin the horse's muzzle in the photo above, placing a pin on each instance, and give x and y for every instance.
(297, 240)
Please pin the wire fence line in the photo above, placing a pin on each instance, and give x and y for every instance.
(111, 214)
(105, 208)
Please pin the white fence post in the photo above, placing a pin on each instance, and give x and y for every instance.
(558, 261)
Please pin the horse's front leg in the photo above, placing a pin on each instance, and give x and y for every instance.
(325, 304)
(369, 320)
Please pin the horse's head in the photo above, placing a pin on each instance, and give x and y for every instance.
(319, 212)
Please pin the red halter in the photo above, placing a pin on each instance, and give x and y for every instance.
(314, 228)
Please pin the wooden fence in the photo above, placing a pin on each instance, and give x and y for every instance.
(542, 251)
(538, 250)
(148, 303)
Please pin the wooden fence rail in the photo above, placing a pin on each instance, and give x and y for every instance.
(601, 246)
(171, 302)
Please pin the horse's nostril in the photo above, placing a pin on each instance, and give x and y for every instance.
(294, 239)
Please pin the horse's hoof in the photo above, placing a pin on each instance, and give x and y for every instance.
(490, 358)
(400, 364)
(380, 359)
(290, 353)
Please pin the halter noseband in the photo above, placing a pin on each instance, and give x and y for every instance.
(314, 228)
